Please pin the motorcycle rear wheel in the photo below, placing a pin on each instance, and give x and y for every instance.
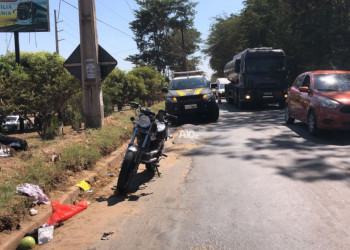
(126, 172)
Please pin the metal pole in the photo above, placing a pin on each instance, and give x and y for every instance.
(17, 51)
(92, 88)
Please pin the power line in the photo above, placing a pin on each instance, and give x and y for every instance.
(127, 2)
(59, 10)
(8, 45)
(69, 34)
(102, 21)
(68, 25)
(123, 51)
(112, 10)
(114, 28)
(70, 4)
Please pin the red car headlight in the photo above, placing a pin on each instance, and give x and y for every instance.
(327, 103)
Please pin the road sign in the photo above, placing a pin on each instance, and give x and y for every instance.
(106, 64)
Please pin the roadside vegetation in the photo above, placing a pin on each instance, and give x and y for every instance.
(77, 155)
(41, 89)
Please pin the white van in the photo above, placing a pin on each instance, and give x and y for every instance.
(221, 82)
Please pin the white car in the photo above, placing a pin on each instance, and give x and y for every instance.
(12, 123)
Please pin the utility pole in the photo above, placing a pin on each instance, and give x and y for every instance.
(56, 34)
(92, 89)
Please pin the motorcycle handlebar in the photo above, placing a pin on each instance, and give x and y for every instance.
(171, 116)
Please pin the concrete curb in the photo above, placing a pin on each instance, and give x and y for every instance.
(12, 240)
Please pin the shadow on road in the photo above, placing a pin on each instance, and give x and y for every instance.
(137, 183)
(313, 157)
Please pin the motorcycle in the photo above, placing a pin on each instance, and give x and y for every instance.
(146, 145)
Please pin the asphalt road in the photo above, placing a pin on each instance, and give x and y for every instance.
(245, 182)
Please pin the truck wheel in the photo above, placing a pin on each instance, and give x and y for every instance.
(241, 104)
(236, 98)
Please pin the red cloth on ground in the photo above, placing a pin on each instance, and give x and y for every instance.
(63, 212)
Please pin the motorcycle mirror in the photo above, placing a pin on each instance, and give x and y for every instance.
(160, 115)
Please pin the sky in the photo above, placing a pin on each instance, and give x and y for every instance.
(114, 33)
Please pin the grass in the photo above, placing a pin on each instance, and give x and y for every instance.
(75, 157)
(78, 156)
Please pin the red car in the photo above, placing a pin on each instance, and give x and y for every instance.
(321, 99)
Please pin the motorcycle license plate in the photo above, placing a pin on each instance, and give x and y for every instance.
(191, 106)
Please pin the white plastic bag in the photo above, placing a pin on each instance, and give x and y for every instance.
(45, 234)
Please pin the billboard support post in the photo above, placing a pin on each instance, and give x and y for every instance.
(17, 52)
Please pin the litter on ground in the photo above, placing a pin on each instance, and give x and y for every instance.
(33, 191)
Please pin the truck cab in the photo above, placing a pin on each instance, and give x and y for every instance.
(257, 76)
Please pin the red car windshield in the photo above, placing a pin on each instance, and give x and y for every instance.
(332, 82)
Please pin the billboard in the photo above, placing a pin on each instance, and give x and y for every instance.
(24, 16)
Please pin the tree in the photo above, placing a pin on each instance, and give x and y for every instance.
(191, 39)
(321, 32)
(156, 24)
(153, 82)
(41, 86)
(11, 76)
(224, 41)
(119, 88)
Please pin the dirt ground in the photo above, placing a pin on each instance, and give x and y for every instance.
(86, 228)
(105, 173)
(36, 147)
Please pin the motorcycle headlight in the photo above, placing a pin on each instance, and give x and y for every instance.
(144, 121)
(172, 99)
(207, 97)
(327, 103)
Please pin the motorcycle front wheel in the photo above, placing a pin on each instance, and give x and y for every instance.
(126, 171)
